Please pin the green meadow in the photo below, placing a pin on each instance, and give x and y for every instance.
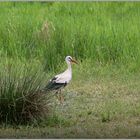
(102, 100)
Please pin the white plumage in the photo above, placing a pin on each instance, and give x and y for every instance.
(62, 79)
(66, 76)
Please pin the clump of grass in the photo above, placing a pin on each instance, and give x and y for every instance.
(44, 34)
(21, 99)
(105, 117)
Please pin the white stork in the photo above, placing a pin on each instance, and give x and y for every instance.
(62, 79)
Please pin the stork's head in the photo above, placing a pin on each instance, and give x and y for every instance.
(69, 60)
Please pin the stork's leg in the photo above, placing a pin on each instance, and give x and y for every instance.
(57, 95)
(61, 97)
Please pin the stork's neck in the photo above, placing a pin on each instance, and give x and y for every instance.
(69, 67)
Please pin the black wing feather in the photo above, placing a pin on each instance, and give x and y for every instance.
(52, 85)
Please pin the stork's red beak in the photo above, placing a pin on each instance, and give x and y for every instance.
(74, 61)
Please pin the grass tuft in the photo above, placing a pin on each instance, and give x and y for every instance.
(21, 99)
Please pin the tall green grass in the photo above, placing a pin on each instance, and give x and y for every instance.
(105, 32)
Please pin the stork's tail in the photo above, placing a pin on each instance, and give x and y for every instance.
(48, 88)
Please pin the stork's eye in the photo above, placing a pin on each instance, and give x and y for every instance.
(69, 59)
